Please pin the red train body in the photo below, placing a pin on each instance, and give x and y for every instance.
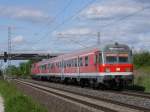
(111, 66)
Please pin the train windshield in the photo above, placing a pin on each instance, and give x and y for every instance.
(116, 58)
(111, 59)
(123, 59)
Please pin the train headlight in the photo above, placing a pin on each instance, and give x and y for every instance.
(118, 69)
(107, 69)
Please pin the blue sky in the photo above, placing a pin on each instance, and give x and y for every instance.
(60, 25)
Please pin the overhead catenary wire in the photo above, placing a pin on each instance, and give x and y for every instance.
(123, 18)
(113, 23)
(66, 20)
(50, 21)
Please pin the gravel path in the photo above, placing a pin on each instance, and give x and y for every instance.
(1, 104)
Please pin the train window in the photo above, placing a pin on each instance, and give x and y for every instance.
(75, 62)
(100, 58)
(111, 59)
(96, 59)
(52, 66)
(67, 64)
(123, 59)
(59, 64)
(49, 65)
(64, 64)
(86, 61)
(70, 63)
(80, 62)
(43, 67)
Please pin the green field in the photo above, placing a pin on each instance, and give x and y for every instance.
(15, 101)
(142, 77)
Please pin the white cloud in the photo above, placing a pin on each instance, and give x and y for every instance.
(25, 14)
(108, 10)
(18, 40)
(75, 32)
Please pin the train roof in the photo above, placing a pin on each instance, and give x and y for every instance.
(116, 47)
(90, 50)
(73, 54)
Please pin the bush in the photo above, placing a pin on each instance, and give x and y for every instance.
(141, 59)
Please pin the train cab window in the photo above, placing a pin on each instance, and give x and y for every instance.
(111, 59)
(123, 59)
(86, 61)
(80, 62)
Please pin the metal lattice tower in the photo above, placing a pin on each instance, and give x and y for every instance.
(9, 46)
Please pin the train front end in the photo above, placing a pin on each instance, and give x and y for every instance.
(117, 67)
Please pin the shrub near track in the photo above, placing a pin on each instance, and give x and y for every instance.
(15, 101)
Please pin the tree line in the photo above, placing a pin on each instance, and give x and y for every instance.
(141, 59)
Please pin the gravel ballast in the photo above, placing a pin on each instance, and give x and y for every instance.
(51, 102)
(132, 100)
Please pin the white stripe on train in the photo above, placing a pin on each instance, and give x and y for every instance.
(86, 74)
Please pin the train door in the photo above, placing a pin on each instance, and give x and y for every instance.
(96, 61)
(62, 69)
(78, 69)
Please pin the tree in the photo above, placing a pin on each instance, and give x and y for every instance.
(141, 59)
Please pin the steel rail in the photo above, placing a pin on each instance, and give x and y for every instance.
(98, 98)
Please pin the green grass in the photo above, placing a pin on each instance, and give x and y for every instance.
(143, 81)
(15, 101)
(142, 77)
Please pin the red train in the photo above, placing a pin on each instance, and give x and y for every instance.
(111, 66)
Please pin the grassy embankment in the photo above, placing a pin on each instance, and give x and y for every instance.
(15, 101)
(142, 78)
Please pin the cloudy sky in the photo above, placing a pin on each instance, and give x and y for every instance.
(67, 25)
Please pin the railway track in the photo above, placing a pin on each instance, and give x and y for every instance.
(126, 92)
(137, 94)
(96, 103)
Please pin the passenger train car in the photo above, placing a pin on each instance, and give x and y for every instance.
(111, 67)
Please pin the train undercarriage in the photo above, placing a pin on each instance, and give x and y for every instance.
(118, 82)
